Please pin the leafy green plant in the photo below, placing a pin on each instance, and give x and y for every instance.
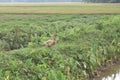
(84, 43)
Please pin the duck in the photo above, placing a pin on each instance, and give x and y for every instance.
(51, 42)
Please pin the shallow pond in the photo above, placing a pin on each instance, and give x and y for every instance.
(112, 73)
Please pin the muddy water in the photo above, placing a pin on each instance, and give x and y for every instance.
(114, 76)
(112, 73)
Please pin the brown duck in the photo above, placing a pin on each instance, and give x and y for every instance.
(51, 42)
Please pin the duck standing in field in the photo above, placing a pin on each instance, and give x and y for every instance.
(51, 42)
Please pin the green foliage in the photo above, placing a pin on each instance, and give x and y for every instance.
(84, 42)
(56, 75)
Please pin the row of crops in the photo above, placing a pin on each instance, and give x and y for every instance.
(84, 44)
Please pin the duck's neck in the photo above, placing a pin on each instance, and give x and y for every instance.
(53, 38)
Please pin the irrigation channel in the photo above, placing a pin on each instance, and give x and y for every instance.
(112, 73)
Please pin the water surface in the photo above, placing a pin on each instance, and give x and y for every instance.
(114, 76)
(112, 73)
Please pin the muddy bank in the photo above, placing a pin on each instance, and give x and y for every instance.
(109, 72)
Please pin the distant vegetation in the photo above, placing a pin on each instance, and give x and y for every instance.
(95, 1)
(40, 0)
(61, 8)
(84, 44)
(102, 1)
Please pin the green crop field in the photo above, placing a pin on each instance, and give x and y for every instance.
(85, 43)
(61, 8)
